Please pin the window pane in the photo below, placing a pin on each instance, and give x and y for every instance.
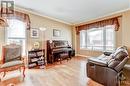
(102, 38)
(16, 33)
(95, 39)
(110, 37)
(83, 41)
(16, 29)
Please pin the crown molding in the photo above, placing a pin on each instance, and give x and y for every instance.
(117, 13)
(72, 24)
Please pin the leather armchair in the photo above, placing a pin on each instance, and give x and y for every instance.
(106, 69)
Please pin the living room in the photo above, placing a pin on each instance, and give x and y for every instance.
(58, 42)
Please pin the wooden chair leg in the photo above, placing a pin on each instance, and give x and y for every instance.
(0, 79)
(24, 71)
(4, 74)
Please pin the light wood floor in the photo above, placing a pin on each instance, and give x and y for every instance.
(71, 73)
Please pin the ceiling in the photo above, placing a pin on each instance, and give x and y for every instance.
(73, 11)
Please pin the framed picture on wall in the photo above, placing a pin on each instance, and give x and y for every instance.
(56, 32)
(35, 33)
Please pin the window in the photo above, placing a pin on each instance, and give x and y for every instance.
(101, 39)
(16, 33)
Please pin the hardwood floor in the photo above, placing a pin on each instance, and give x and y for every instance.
(71, 73)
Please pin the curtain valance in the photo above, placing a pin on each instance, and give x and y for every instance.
(111, 21)
(3, 22)
(17, 15)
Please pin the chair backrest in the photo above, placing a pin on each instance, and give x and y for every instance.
(119, 59)
(11, 52)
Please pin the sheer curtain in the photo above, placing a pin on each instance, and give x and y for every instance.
(102, 39)
(16, 33)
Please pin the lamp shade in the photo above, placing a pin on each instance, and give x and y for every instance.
(3, 22)
(42, 29)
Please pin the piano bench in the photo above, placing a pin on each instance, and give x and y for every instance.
(63, 56)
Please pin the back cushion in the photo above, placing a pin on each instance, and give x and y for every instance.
(117, 59)
(12, 52)
(121, 55)
(113, 55)
(113, 63)
(116, 52)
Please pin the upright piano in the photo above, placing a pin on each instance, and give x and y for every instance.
(56, 47)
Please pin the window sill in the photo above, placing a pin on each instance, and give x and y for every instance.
(91, 50)
(96, 50)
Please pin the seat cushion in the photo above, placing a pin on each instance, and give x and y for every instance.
(12, 63)
(64, 55)
(98, 61)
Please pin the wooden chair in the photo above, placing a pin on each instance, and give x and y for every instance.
(11, 59)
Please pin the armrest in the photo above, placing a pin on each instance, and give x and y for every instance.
(107, 53)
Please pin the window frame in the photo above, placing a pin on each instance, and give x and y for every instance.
(16, 38)
(104, 40)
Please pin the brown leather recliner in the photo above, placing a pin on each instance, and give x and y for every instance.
(106, 69)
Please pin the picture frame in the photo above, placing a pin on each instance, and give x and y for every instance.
(56, 33)
(35, 33)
